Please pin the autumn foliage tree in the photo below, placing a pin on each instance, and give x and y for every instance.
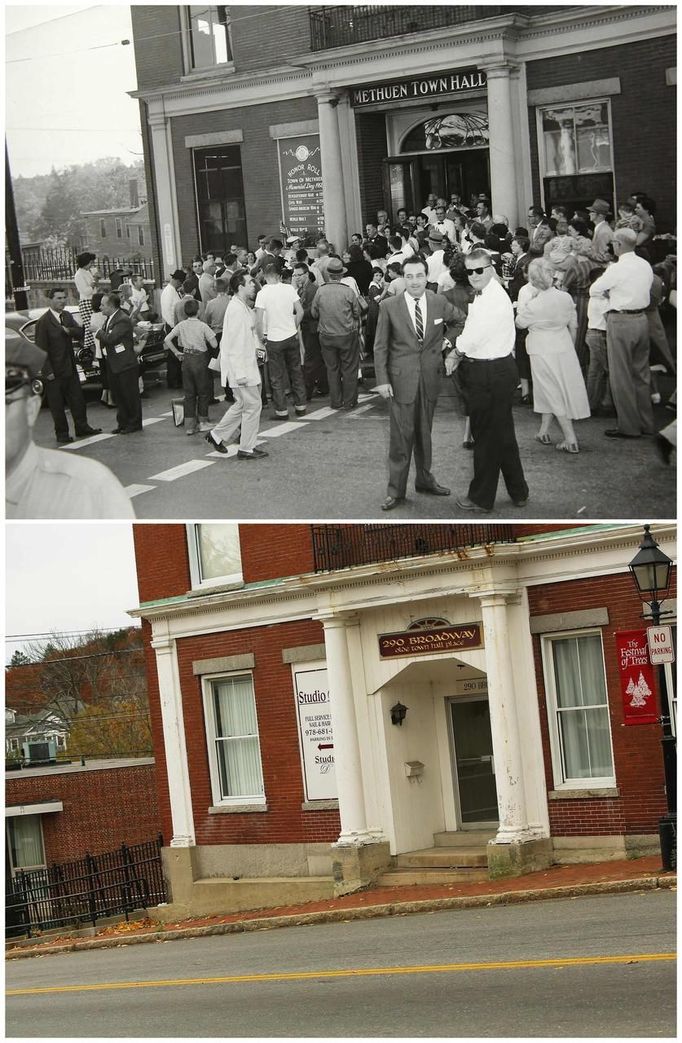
(96, 685)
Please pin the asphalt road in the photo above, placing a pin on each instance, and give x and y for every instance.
(591, 966)
(332, 465)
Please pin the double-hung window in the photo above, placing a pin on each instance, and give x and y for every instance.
(214, 555)
(25, 842)
(578, 711)
(233, 743)
(576, 153)
(210, 40)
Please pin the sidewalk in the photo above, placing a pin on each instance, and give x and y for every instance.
(557, 882)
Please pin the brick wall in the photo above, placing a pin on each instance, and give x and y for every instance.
(103, 808)
(158, 45)
(643, 114)
(284, 821)
(260, 170)
(264, 37)
(636, 749)
(270, 551)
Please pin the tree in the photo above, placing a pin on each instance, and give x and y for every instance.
(19, 659)
(102, 674)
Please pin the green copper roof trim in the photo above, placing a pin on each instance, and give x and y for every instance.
(555, 533)
(177, 599)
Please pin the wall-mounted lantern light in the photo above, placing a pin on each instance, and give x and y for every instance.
(398, 713)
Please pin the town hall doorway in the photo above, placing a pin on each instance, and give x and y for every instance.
(474, 763)
(408, 180)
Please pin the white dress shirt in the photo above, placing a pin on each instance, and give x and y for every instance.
(410, 301)
(169, 298)
(627, 283)
(489, 331)
(447, 227)
(49, 483)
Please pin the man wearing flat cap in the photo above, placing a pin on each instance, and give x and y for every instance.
(603, 233)
(626, 285)
(435, 261)
(48, 483)
(337, 310)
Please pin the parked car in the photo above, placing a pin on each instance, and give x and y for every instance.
(149, 334)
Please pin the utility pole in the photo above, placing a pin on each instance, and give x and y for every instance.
(16, 265)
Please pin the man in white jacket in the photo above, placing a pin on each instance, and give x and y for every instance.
(239, 369)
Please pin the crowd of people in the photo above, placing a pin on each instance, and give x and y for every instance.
(571, 328)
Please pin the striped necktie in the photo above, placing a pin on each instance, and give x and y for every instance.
(419, 322)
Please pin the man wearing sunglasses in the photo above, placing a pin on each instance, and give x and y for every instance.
(48, 483)
(488, 377)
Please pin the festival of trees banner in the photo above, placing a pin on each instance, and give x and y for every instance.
(636, 678)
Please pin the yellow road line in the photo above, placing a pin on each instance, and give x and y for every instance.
(355, 972)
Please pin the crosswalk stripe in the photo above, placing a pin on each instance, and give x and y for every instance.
(321, 414)
(282, 429)
(137, 490)
(82, 442)
(153, 420)
(180, 471)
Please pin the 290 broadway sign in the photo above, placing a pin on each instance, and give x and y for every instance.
(422, 642)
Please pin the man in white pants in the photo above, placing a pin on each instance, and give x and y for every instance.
(239, 369)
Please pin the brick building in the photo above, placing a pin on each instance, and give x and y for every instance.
(62, 812)
(322, 115)
(325, 699)
(122, 231)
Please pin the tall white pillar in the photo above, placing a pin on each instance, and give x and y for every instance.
(504, 164)
(332, 170)
(347, 761)
(164, 178)
(177, 768)
(511, 795)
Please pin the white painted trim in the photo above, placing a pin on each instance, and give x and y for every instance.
(572, 92)
(221, 137)
(34, 809)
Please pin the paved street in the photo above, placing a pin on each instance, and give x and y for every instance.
(333, 465)
(596, 966)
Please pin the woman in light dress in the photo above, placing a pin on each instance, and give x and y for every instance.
(559, 391)
(86, 278)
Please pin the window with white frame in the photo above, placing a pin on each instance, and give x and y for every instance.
(578, 711)
(210, 39)
(576, 138)
(25, 842)
(119, 227)
(140, 235)
(233, 743)
(214, 555)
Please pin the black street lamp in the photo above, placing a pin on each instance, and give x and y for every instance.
(651, 570)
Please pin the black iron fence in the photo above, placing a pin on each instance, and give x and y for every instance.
(85, 891)
(60, 263)
(343, 25)
(340, 546)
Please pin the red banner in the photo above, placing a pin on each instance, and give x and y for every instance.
(636, 678)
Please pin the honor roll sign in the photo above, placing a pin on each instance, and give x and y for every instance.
(316, 738)
(300, 177)
(636, 678)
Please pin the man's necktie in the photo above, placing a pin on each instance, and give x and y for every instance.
(419, 322)
(62, 320)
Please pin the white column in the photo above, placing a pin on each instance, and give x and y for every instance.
(347, 762)
(332, 170)
(511, 795)
(177, 769)
(504, 164)
(164, 178)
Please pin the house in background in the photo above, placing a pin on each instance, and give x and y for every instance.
(121, 232)
(330, 703)
(40, 736)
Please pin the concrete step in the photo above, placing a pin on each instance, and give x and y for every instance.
(410, 877)
(444, 858)
(464, 838)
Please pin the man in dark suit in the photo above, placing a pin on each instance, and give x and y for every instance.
(116, 339)
(56, 331)
(408, 363)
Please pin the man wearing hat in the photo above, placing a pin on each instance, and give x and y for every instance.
(435, 261)
(337, 309)
(170, 296)
(603, 233)
(376, 244)
(627, 286)
(293, 243)
(48, 483)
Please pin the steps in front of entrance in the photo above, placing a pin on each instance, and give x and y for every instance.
(455, 858)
